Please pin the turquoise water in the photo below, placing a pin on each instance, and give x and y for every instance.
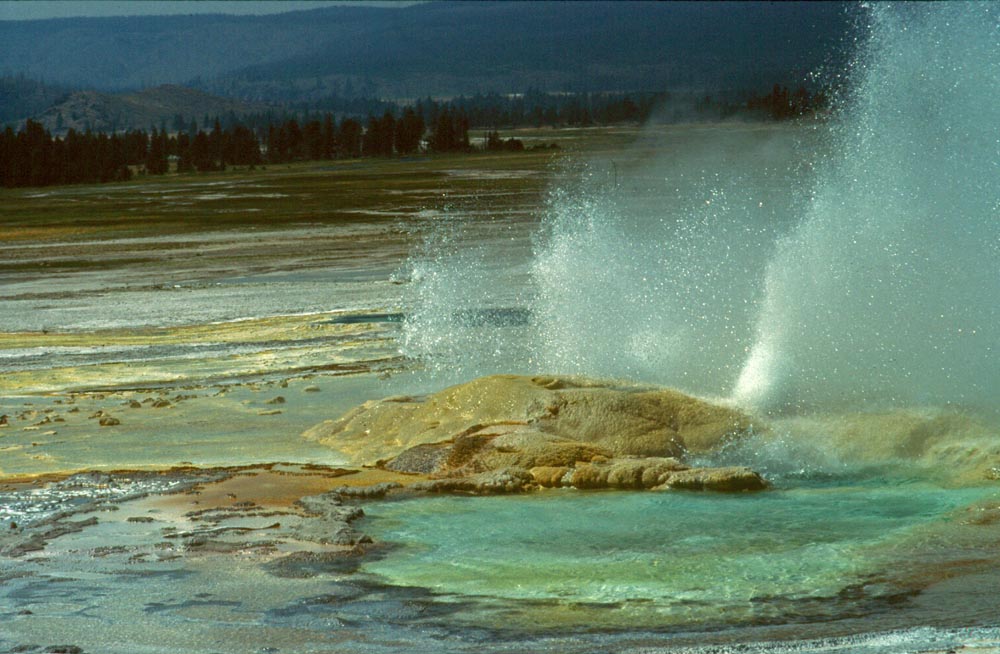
(565, 572)
(657, 558)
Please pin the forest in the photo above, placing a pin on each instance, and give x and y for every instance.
(32, 156)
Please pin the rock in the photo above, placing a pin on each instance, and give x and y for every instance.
(508, 480)
(580, 418)
(375, 492)
(329, 504)
(589, 477)
(305, 564)
(423, 459)
(491, 448)
(330, 523)
(276, 400)
(625, 473)
(49, 529)
(311, 389)
(270, 412)
(161, 404)
(134, 404)
(507, 433)
(729, 479)
(108, 421)
(549, 476)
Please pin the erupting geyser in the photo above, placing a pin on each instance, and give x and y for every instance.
(834, 265)
(888, 290)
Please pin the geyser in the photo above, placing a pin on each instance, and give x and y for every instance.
(833, 265)
(888, 291)
(655, 279)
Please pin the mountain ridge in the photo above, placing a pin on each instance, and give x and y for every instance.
(437, 48)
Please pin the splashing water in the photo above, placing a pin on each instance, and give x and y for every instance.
(650, 279)
(469, 308)
(854, 263)
(887, 292)
(654, 280)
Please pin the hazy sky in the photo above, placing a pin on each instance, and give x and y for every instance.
(35, 9)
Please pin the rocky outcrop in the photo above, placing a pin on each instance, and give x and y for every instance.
(506, 433)
(728, 479)
(373, 492)
(618, 474)
(543, 420)
(479, 449)
(495, 482)
(625, 473)
(331, 521)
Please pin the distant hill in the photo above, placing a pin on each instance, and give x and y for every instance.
(440, 48)
(21, 97)
(124, 53)
(105, 112)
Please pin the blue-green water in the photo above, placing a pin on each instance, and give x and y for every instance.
(658, 558)
(856, 567)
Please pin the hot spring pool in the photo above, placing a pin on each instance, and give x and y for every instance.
(660, 559)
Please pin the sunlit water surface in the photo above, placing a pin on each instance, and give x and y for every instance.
(660, 559)
(564, 571)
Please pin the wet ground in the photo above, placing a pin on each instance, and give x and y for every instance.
(304, 558)
(173, 338)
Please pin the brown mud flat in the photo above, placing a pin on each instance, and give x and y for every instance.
(267, 509)
(281, 485)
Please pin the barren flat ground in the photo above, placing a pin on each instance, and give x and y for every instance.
(165, 343)
(217, 316)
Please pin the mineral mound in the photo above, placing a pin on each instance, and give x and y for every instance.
(543, 431)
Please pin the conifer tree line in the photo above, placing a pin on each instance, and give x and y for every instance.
(31, 156)
(779, 104)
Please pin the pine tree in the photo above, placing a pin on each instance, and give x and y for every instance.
(216, 147)
(201, 153)
(370, 141)
(443, 137)
(293, 140)
(387, 134)
(312, 136)
(409, 132)
(156, 157)
(329, 137)
(243, 148)
(184, 163)
(349, 138)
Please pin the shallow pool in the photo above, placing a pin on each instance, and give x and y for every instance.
(660, 559)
